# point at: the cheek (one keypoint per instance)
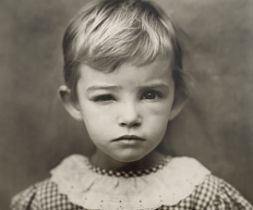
(158, 125)
(156, 119)
(160, 111)
(97, 130)
(97, 121)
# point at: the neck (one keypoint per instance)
(103, 161)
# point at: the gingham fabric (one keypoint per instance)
(212, 194)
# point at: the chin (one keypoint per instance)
(128, 158)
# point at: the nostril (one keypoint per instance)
(131, 124)
(135, 124)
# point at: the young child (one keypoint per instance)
(124, 80)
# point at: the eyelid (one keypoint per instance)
(106, 97)
(152, 89)
(158, 94)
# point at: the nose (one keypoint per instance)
(129, 116)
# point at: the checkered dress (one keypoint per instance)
(212, 194)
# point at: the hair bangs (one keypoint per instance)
(112, 41)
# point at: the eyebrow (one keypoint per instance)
(103, 87)
(116, 87)
(156, 85)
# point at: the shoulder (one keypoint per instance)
(215, 193)
(228, 196)
(210, 192)
(42, 195)
(45, 195)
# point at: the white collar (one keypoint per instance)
(167, 186)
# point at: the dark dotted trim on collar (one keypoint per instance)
(128, 174)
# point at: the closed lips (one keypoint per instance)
(129, 137)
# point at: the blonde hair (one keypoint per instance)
(108, 33)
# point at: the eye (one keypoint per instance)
(151, 95)
(104, 98)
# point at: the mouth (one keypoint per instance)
(129, 138)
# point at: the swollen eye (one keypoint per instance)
(104, 98)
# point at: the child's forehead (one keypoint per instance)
(159, 68)
(138, 62)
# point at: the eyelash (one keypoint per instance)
(104, 98)
(151, 95)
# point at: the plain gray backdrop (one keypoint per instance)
(216, 127)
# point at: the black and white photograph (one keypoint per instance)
(126, 105)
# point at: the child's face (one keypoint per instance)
(126, 111)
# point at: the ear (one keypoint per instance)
(72, 107)
(178, 105)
